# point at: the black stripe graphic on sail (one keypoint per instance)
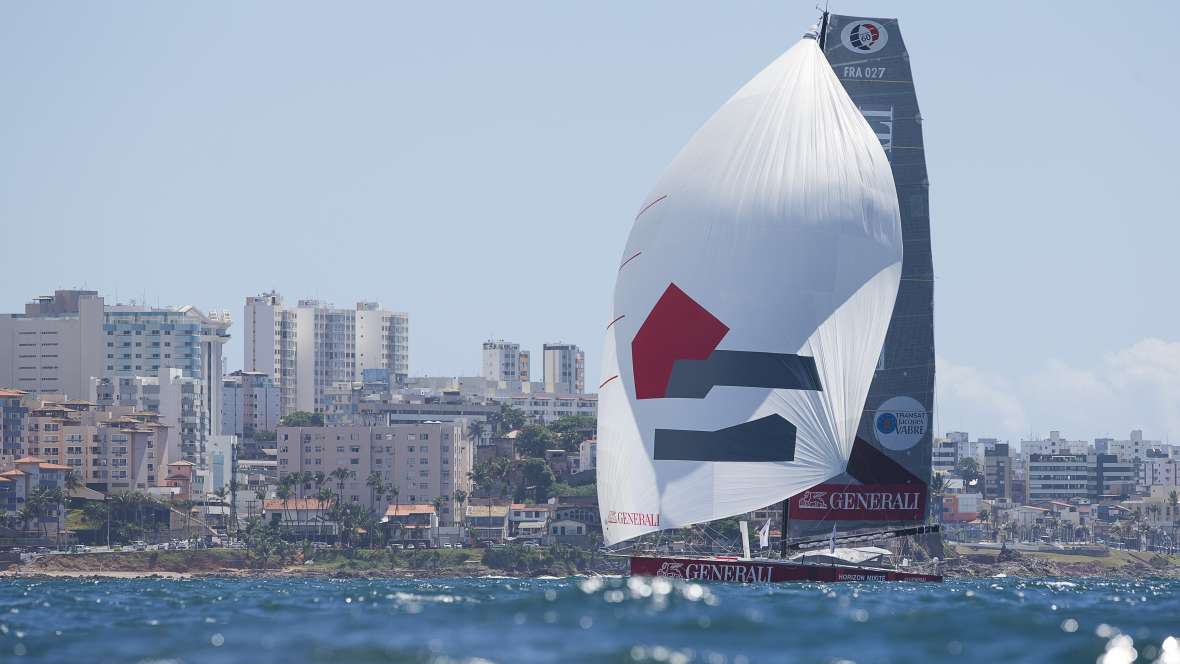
(692, 379)
(769, 438)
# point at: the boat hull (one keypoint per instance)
(764, 571)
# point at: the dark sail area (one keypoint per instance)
(888, 474)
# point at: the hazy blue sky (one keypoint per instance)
(479, 165)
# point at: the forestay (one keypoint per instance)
(750, 308)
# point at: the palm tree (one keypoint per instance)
(475, 430)
(394, 492)
(376, 488)
(341, 475)
(438, 504)
(1174, 500)
(324, 498)
(283, 493)
(460, 499)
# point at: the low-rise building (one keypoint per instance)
(303, 517)
(21, 483)
(588, 455)
(487, 523)
(412, 524)
(568, 531)
(527, 521)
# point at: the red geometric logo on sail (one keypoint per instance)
(676, 329)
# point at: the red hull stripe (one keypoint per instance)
(755, 571)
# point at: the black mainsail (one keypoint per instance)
(888, 473)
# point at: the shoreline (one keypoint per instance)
(964, 563)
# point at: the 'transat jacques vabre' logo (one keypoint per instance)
(864, 36)
(900, 423)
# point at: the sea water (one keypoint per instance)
(578, 619)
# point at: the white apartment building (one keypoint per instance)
(549, 406)
(250, 401)
(1161, 472)
(565, 368)
(65, 341)
(944, 455)
(55, 346)
(180, 401)
(222, 456)
(504, 361)
(1055, 444)
(588, 454)
(424, 461)
(312, 346)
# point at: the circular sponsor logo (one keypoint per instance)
(900, 423)
(864, 36)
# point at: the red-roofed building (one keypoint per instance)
(303, 517)
(412, 524)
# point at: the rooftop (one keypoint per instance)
(406, 510)
(275, 504)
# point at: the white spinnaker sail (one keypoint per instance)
(772, 247)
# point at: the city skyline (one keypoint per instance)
(142, 126)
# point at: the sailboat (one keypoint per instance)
(752, 354)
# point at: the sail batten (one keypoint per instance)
(750, 307)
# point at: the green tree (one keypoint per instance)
(572, 430)
(536, 475)
(533, 440)
(302, 418)
(968, 469)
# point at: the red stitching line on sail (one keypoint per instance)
(607, 381)
(629, 260)
(615, 321)
(646, 207)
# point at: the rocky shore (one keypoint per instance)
(964, 562)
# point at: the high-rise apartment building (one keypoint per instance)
(55, 346)
(249, 402)
(565, 368)
(505, 361)
(63, 342)
(181, 402)
(997, 473)
(310, 347)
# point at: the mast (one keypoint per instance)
(782, 541)
(823, 28)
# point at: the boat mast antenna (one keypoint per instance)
(823, 27)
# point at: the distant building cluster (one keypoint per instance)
(1056, 480)
(112, 398)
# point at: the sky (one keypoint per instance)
(479, 165)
